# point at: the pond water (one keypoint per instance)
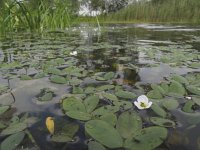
(42, 76)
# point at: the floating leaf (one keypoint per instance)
(128, 124)
(11, 142)
(77, 90)
(158, 88)
(193, 89)
(162, 122)
(105, 110)
(109, 75)
(125, 105)
(196, 100)
(54, 71)
(125, 94)
(158, 110)
(93, 145)
(176, 88)
(104, 133)
(14, 128)
(25, 77)
(180, 79)
(58, 79)
(148, 139)
(3, 109)
(89, 90)
(91, 103)
(73, 104)
(110, 96)
(188, 107)
(109, 118)
(170, 104)
(105, 87)
(155, 94)
(79, 115)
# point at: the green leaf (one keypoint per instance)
(109, 75)
(25, 77)
(162, 122)
(188, 107)
(58, 79)
(77, 90)
(73, 104)
(125, 94)
(91, 103)
(11, 142)
(79, 115)
(46, 97)
(193, 89)
(158, 88)
(180, 79)
(105, 110)
(128, 124)
(92, 145)
(104, 133)
(170, 104)
(154, 94)
(176, 88)
(109, 118)
(196, 100)
(54, 71)
(89, 90)
(3, 109)
(148, 139)
(14, 128)
(105, 87)
(125, 105)
(110, 96)
(158, 110)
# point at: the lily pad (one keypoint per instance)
(105, 110)
(180, 79)
(126, 94)
(25, 77)
(91, 103)
(79, 115)
(170, 104)
(109, 118)
(105, 87)
(188, 107)
(58, 79)
(193, 89)
(158, 110)
(93, 145)
(162, 122)
(176, 88)
(104, 133)
(14, 128)
(73, 104)
(128, 124)
(11, 142)
(148, 139)
(109, 75)
(3, 109)
(110, 96)
(154, 94)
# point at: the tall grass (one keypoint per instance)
(16, 15)
(165, 11)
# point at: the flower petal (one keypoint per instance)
(138, 105)
(143, 98)
(149, 104)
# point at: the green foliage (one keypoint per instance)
(157, 11)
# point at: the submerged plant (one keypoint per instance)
(143, 102)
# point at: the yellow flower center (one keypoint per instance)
(143, 104)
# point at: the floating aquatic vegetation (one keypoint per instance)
(143, 102)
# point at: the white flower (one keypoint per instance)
(188, 97)
(74, 53)
(143, 102)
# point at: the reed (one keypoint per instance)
(180, 11)
(15, 15)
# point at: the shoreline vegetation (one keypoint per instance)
(15, 15)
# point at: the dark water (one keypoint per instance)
(110, 49)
